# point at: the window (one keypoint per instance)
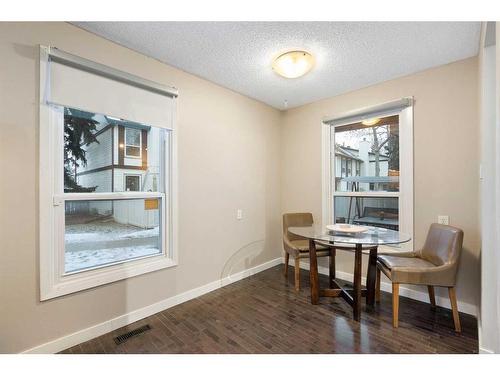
(100, 232)
(103, 218)
(133, 143)
(103, 232)
(379, 192)
(132, 183)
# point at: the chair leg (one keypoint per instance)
(287, 258)
(432, 296)
(454, 309)
(377, 286)
(297, 274)
(331, 273)
(395, 304)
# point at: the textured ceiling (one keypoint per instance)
(349, 55)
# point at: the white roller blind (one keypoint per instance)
(81, 89)
(367, 113)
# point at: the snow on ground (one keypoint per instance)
(78, 260)
(105, 231)
(102, 242)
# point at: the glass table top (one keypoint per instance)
(373, 236)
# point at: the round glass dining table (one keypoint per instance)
(356, 243)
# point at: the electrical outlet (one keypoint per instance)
(443, 219)
(239, 214)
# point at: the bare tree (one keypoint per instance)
(384, 141)
(377, 146)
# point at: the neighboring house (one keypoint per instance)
(350, 162)
(355, 171)
(124, 158)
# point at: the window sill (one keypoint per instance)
(89, 279)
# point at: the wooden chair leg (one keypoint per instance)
(331, 273)
(287, 258)
(395, 304)
(454, 309)
(377, 286)
(297, 274)
(432, 296)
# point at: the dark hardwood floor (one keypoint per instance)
(263, 314)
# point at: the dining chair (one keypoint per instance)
(298, 247)
(435, 265)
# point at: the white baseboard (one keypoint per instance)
(102, 328)
(403, 291)
(485, 351)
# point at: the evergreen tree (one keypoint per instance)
(79, 131)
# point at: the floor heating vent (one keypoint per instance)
(124, 337)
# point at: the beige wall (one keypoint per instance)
(229, 158)
(446, 156)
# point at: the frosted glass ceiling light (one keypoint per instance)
(371, 121)
(293, 64)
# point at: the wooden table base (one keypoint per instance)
(351, 296)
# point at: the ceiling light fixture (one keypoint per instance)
(293, 64)
(371, 121)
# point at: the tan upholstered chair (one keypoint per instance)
(298, 247)
(436, 264)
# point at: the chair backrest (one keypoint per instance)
(443, 245)
(301, 219)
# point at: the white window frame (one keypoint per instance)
(54, 282)
(405, 193)
(128, 145)
(125, 175)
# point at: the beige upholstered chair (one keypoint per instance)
(436, 264)
(296, 246)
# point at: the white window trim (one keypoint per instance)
(128, 145)
(125, 175)
(405, 194)
(53, 283)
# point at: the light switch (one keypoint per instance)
(443, 219)
(239, 214)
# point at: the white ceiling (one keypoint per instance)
(349, 55)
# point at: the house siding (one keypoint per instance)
(101, 179)
(98, 154)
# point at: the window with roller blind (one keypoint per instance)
(107, 174)
(368, 167)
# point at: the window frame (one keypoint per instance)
(53, 280)
(405, 194)
(129, 145)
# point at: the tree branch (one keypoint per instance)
(382, 144)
